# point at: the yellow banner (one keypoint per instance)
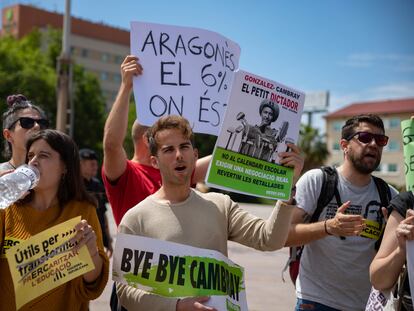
(8, 242)
(372, 229)
(46, 261)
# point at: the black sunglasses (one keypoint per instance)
(366, 138)
(28, 123)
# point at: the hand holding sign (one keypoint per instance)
(405, 229)
(194, 304)
(85, 235)
(130, 67)
(293, 159)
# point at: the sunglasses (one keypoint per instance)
(28, 123)
(366, 138)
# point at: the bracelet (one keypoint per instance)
(326, 228)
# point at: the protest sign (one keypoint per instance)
(407, 127)
(176, 270)
(187, 71)
(45, 261)
(261, 117)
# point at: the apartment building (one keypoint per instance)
(392, 113)
(99, 48)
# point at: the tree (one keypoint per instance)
(28, 67)
(313, 147)
(24, 69)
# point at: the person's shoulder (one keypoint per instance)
(216, 198)
(147, 204)
(312, 174)
(402, 202)
(211, 195)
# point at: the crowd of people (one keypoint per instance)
(340, 265)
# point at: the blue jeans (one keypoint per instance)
(304, 304)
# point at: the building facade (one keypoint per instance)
(392, 113)
(99, 48)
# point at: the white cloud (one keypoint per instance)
(381, 92)
(397, 62)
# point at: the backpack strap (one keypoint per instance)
(328, 191)
(384, 192)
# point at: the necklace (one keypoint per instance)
(12, 165)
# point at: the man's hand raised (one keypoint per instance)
(130, 67)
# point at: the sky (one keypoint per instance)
(358, 50)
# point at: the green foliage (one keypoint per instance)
(28, 66)
(24, 69)
(313, 147)
(205, 144)
(89, 110)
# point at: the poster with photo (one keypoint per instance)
(187, 71)
(261, 118)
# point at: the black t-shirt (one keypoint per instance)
(96, 188)
(402, 202)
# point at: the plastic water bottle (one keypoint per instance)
(15, 184)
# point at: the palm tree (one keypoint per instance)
(313, 146)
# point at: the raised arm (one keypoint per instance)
(387, 264)
(201, 169)
(117, 122)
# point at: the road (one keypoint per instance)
(265, 288)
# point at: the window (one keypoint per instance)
(336, 146)
(394, 123)
(117, 77)
(105, 57)
(337, 126)
(393, 145)
(392, 167)
(118, 59)
(85, 53)
(104, 76)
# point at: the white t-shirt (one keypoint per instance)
(335, 271)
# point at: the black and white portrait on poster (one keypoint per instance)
(261, 118)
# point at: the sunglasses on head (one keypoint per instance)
(28, 123)
(366, 138)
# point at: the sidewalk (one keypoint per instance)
(265, 288)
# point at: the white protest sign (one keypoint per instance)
(187, 71)
(176, 270)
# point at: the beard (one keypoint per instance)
(362, 166)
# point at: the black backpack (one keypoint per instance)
(328, 191)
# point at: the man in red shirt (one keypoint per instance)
(128, 182)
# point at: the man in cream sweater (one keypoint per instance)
(180, 214)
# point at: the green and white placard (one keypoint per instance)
(261, 118)
(176, 270)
